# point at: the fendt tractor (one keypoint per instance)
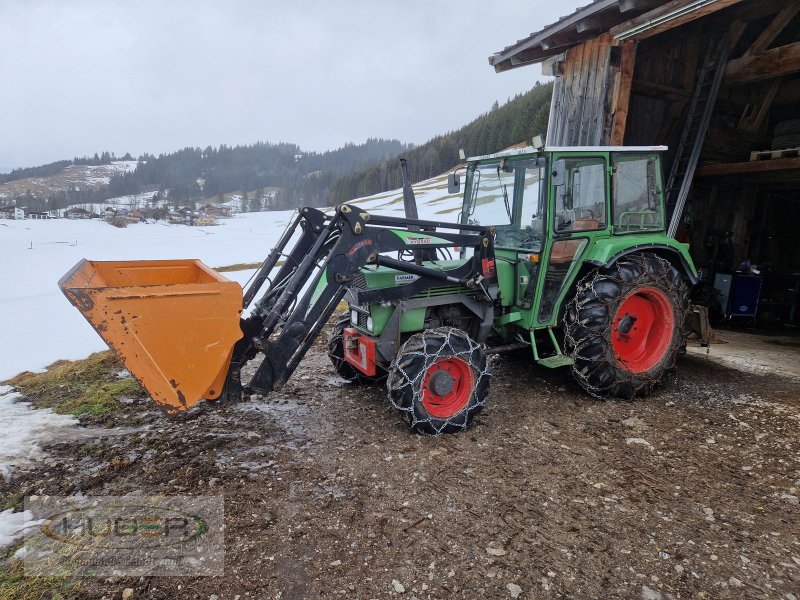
(561, 251)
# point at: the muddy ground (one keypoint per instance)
(690, 493)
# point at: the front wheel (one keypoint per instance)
(625, 326)
(439, 380)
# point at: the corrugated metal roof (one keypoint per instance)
(583, 24)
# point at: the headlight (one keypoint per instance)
(369, 324)
(354, 317)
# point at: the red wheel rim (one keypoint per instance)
(447, 387)
(642, 329)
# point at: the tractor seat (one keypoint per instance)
(582, 224)
(564, 251)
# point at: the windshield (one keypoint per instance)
(507, 194)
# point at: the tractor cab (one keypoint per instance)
(553, 209)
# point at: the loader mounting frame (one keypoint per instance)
(326, 260)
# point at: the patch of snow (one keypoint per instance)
(13, 526)
(24, 430)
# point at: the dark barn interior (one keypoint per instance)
(718, 81)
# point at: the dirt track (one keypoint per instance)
(691, 493)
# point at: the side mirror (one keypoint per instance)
(559, 173)
(453, 183)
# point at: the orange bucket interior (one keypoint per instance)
(173, 322)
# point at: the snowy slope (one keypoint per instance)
(38, 325)
(73, 176)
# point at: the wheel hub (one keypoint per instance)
(442, 383)
(447, 387)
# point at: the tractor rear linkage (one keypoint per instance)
(332, 250)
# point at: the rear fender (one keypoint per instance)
(679, 260)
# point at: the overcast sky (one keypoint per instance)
(83, 76)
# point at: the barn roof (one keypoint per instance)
(600, 16)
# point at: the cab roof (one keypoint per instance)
(532, 150)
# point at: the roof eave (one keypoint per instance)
(544, 43)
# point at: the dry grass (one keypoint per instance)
(90, 386)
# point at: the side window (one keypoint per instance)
(636, 203)
(580, 194)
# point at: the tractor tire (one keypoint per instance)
(343, 368)
(787, 141)
(626, 325)
(439, 381)
(787, 127)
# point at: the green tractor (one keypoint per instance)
(561, 251)
(585, 278)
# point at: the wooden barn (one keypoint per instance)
(718, 81)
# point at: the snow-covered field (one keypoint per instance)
(39, 326)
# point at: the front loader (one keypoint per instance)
(561, 251)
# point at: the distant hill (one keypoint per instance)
(296, 177)
(518, 120)
(192, 174)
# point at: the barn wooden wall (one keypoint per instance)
(663, 82)
(580, 114)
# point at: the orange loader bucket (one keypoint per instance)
(173, 322)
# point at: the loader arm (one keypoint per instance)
(316, 273)
(177, 325)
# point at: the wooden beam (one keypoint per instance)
(772, 30)
(768, 64)
(554, 65)
(760, 166)
(668, 16)
(629, 5)
(622, 93)
(593, 23)
(657, 90)
(754, 119)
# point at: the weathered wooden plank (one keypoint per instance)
(763, 166)
(668, 16)
(622, 93)
(657, 90)
(768, 64)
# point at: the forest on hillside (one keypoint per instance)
(523, 117)
(302, 178)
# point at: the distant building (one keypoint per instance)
(202, 220)
(77, 213)
(177, 218)
(12, 212)
(33, 214)
(217, 210)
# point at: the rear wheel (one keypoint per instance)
(625, 326)
(439, 380)
(336, 354)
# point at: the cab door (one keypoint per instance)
(579, 210)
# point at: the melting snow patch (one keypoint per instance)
(24, 429)
(13, 525)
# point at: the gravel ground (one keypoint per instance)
(692, 493)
